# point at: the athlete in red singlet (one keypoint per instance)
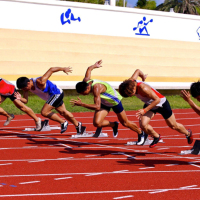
(7, 90)
(154, 102)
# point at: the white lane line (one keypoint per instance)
(162, 148)
(34, 161)
(123, 197)
(190, 186)
(95, 147)
(147, 168)
(62, 178)
(195, 165)
(96, 192)
(22, 183)
(61, 144)
(6, 164)
(158, 191)
(166, 190)
(27, 147)
(106, 173)
(98, 158)
(92, 155)
(121, 171)
(171, 165)
(67, 158)
(93, 174)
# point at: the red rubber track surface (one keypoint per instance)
(50, 165)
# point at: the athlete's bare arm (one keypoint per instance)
(41, 82)
(23, 99)
(139, 73)
(187, 97)
(89, 70)
(97, 90)
(146, 91)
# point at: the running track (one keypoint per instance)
(50, 165)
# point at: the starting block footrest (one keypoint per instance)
(86, 135)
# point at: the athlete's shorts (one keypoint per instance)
(56, 100)
(117, 109)
(11, 97)
(165, 111)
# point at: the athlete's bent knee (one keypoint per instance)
(44, 114)
(96, 124)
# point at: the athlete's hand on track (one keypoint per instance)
(74, 102)
(140, 113)
(185, 95)
(17, 95)
(67, 70)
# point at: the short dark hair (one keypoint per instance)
(195, 89)
(126, 88)
(81, 86)
(22, 82)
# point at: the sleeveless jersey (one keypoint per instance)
(109, 98)
(50, 90)
(6, 88)
(147, 100)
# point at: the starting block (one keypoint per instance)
(194, 150)
(147, 142)
(84, 134)
(45, 127)
(87, 135)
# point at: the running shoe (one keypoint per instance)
(98, 132)
(38, 124)
(115, 129)
(64, 127)
(80, 129)
(9, 120)
(142, 138)
(190, 137)
(155, 141)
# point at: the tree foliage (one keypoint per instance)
(146, 4)
(180, 6)
(141, 3)
(121, 3)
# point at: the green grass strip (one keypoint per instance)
(132, 103)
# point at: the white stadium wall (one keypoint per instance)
(36, 35)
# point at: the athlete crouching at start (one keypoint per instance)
(105, 99)
(52, 94)
(154, 102)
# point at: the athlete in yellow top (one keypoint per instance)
(105, 98)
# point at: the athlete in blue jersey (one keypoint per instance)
(52, 94)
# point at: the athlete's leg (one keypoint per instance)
(171, 122)
(99, 119)
(47, 112)
(25, 109)
(144, 124)
(2, 111)
(66, 114)
(125, 122)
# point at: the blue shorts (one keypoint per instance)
(165, 111)
(117, 109)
